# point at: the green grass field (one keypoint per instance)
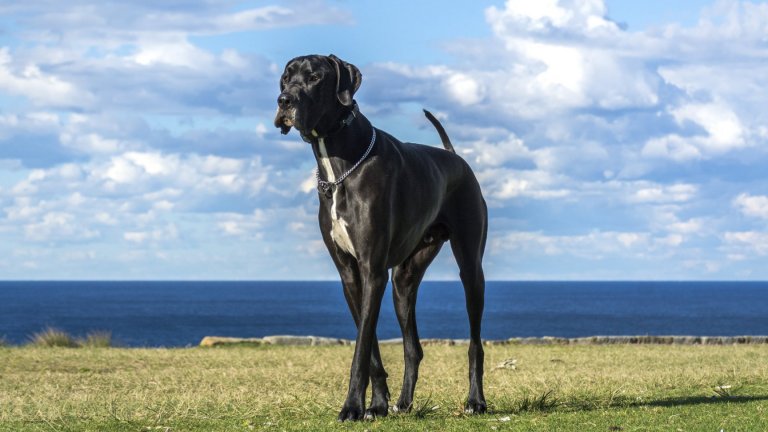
(580, 388)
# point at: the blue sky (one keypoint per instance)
(612, 139)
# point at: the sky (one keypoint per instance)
(613, 139)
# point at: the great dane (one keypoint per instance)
(385, 204)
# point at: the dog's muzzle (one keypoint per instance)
(285, 118)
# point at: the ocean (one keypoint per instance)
(176, 314)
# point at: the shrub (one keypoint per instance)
(96, 339)
(52, 337)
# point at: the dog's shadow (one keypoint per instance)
(700, 400)
(554, 405)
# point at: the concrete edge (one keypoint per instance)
(290, 340)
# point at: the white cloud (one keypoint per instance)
(464, 89)
(90, 143)
(550, 58)
(39, 87)
(724, 130)
(673, 147)
(664, 219)
(753, 241)
(174, 50)
(55, 226)
(240, 225)
(504, 184)
(723, 133)
(579, 16)
(162, 234)
(535, 15)
(152, 163)
(500, 153)
(139, 133)
(567, 54)
(310, 183)
(546, 57)
(87, 19)
(30, 121)
(137, 197)
(658, 193)
(670, 241)
(203, 174)
(596, 245)
(121, 170)
(21, 210)
(106, 219)
(691, 226)
(261, 130)
(91, 56)
(752, 205)
(730, 20)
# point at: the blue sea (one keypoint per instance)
(172, 314)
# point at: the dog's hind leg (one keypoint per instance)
(468, 243)
(406, 278)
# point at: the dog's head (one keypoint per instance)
(315, 91)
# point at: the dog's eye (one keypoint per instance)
(314, 77)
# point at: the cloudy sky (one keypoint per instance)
(612, 139)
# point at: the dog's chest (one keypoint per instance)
(338, 230)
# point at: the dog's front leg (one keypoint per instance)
(380, 395)
(374, 284)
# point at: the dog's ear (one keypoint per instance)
(348, 79)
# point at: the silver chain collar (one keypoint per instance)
(326, 187)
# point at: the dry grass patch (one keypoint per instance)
(52, 337)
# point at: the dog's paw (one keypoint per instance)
(351, 412)
(402, 407)
(376, 411)
(475, 407)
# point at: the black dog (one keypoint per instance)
(385, 204)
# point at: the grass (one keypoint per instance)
(533, 403)
(425, 407)
(96, 339)
(601, 388)
(52, 337)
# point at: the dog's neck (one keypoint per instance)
(335, 124)
(338, 152)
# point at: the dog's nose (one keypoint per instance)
(284, 100)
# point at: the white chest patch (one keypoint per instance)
(339, 232)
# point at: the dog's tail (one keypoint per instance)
(443, 136)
